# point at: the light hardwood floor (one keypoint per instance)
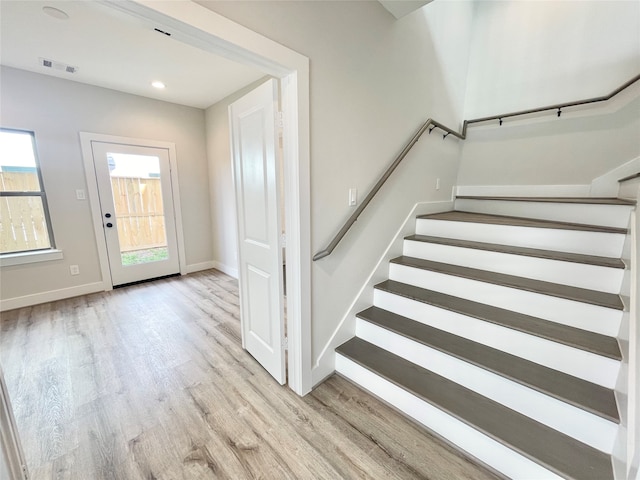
(150, 382)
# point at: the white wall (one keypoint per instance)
(225, 236)
(374, 80)
(57, 110)
(530, 54)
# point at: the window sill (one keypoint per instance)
(9, 259)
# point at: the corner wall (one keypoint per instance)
(373, 81)
(57, 110)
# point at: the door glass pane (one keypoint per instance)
(139, 213)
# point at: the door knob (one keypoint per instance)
(109, 225)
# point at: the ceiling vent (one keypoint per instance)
(62, 67)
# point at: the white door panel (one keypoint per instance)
(255, 166)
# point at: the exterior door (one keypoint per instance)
(255, 168)
(136, 202)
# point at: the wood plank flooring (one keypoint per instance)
(150, 382)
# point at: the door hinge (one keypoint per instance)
(279, 120)
(285, 343)
(283, 240)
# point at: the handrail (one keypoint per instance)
(448, 131)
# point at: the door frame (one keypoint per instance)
(201, 27)
(86, 138)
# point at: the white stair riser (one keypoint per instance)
(572, 241)
(572, 361)
(484, 448)
(577, 314)
(592, 277)
(568, 419)
(586, 214)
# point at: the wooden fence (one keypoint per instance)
(138, 210)
(139, 213)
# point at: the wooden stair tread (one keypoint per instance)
(455, 216)
(593, 297)
(578, 200)
(629, 177)
(571, 336)
(580, 393)
(528, 252)
(556, 451)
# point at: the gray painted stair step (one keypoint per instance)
(574, 337)
(584, 200)
(580, 393)
(592, 297)
(527, 252)
(518, 222)
(556, 451)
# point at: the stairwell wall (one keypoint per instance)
(374, 81)
(530, 54)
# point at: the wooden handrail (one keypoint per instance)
(462, 135)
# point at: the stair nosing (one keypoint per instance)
(437, 300)
(605, 262)
(576, 294)
(369, 314)
(505, 220)
(479, 402)
(614, 201)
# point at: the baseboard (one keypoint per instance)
(607, 185)
(523, 190)
(324, 365)
(198, 267)
(231, 271)
(51, 296)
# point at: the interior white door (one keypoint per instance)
(136, 201)
(255, 168)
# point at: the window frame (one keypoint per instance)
(23, 254)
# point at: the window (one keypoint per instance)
(24, 216)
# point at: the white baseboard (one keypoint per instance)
(51, 296)
(198, 267)
(325, 363)
(231, 271)
(523, 190)
(607, 185)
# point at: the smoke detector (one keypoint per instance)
(61, 67)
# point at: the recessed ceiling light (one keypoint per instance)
(158, 85)
(55, 13)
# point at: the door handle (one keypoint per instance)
(109, 225)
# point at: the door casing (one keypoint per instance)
(94, 199)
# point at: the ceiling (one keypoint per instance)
(115, 50)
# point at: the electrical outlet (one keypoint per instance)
(80, 195)
(74, 269)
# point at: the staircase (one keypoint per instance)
(497, 331)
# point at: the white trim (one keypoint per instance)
(231, 271)
(22, 258)
(13, 459)
(201, 27)
(94, 199)
(607, 185)
(198, 267)
(325, 364)
(50, 296)
(523, 190)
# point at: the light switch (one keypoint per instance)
(353, 197)
(80, 195)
